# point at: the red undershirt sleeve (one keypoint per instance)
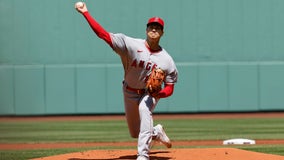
(167, 91)
(98, 29)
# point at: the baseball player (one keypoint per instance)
(139, 57)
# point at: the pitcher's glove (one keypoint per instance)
(155, 81)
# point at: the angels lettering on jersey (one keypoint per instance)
(149, 66)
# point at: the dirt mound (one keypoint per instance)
(170, 154)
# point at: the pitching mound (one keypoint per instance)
(178, 154)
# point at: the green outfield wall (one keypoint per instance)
(229, 53)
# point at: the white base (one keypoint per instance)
(238, 141)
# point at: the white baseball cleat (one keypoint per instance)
(162, 136)
(142, 158)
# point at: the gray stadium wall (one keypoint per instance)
(229, 53)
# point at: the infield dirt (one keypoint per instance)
(170, 154)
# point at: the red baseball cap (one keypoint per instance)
(156, 20)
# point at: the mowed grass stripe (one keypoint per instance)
(116, 130)
(209, 129)
(85, 131)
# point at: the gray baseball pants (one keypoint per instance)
(138, 112)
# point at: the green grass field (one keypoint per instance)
(116, 131)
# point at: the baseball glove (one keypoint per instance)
(155, 81)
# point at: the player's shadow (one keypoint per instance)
(129, 157)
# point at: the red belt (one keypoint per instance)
(138, 91)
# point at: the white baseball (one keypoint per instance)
(79, 5)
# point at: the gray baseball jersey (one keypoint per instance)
(138, 60)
